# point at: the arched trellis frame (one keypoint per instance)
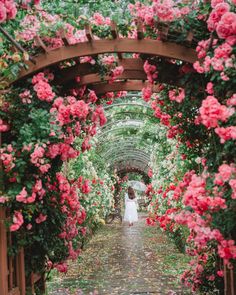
(133, 78)
(122, 171)
(129, 81)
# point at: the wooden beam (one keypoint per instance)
(64, 38)
(145, 46)
(115, 35)
(3, 254)
(68, 74)
(164, 30)
(39, 42)
(133, 70)
(189, 38)
(135, 64)
(122, 86)
(126, 75)
(114, 31)
(88, 32)
(140, 29)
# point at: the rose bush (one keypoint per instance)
(193, 190)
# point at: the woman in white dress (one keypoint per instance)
(131, 205)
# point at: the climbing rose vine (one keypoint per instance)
(43, 129)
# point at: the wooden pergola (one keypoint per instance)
(12, 278)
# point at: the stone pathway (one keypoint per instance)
(125, 260)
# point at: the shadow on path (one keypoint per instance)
(125, 260)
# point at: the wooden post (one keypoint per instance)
(39, 42)
(3, 254)
(88, 32)
(115, 35)
(3, 239)
(140, 29)
(229, 280)
(21, 272)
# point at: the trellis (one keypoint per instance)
(132, 79)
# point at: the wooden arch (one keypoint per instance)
(125, 45)
(133, 77)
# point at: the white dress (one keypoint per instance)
(131, 213)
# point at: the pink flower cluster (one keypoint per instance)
(64, 150)
(227, 174)
(211, 112)
(61, 267)
(7, 10)
(17, 221)
(146, 93)
(164, 10)
(177, 95)
(115, 73)
(37, 190)
(92, 97)
(7, 157)
(31, 25)
(194, 192)
(222, 20)
(99, 116)
(23, 197)
(226, 133)
(197, 197)
(41, 218)
(222, 60)
(164, 117)
(174, 131)
(75, 214)
(151, 71)
(38, 159)
(4, 127)
(100, 20)
(42, 88)
(85, 188)
(68, 109)
(26, 97)
(74, 36)
(109, 60)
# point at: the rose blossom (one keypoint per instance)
(146, 93)
(227, 25)
(3, 13)
(212, 111)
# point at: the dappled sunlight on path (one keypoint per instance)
(125, 260)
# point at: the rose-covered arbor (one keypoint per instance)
(202, 124)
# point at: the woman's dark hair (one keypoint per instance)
(131, 193)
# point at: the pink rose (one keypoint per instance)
(17, 221)
(225, 172)
(215, 2)
(232, 183)
(41, 218)
(212, 111)
(146, 93)
(22, 196)
(209, 88)
(3, 200)
(220, 273)
(3, 13)
(227, 25)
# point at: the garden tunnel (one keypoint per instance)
(141, 63)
